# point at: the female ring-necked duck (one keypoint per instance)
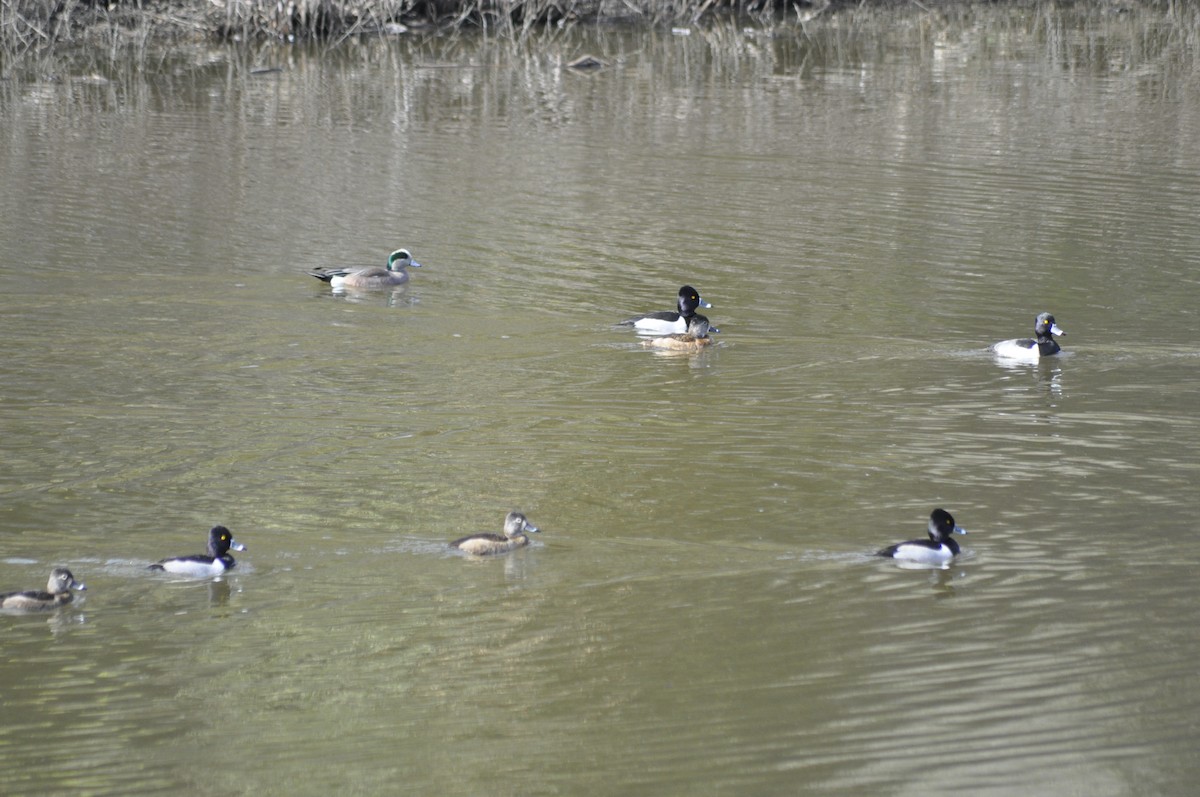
(666, 322)
(939, 549)
(58, 593)
(372, 276)
(695, 339)
(1033, 349)
(218, 560)
(515, 529)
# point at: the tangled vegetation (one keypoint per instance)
(47, 25)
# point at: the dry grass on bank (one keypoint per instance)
(46, 24)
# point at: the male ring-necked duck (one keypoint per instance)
(218, 560)
(939, 549)
(372, 276)
(666, 322)
(695, 339)
(515, 529)
(1033, 349)
(58, 593)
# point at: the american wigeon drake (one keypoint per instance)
(695, 339)
(216, 562)
(667, 322)
(58, 593)
(939, 549)
(372, 277)
(1042, 344)
(516, 526)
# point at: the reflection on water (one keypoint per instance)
(868, 205)
(392, 297)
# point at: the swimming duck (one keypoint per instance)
(372, 276)
(695, 339)
(937, 550)
(58, 593)
(515, 529)
(666, 322)
(218, 560)
(1044, 330)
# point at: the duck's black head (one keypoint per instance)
(942, 525)
(690, 301)
(220, 540)
(1045, 327)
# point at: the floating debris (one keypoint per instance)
(587, 62)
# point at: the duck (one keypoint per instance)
(939, 549)
(371, 277)
(58, 593)
(667, 322)
(218, 560)
(694, 339)
(516, 527)
(1031, 349)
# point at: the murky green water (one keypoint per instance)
(867, 205)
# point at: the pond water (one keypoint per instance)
(868, 202)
